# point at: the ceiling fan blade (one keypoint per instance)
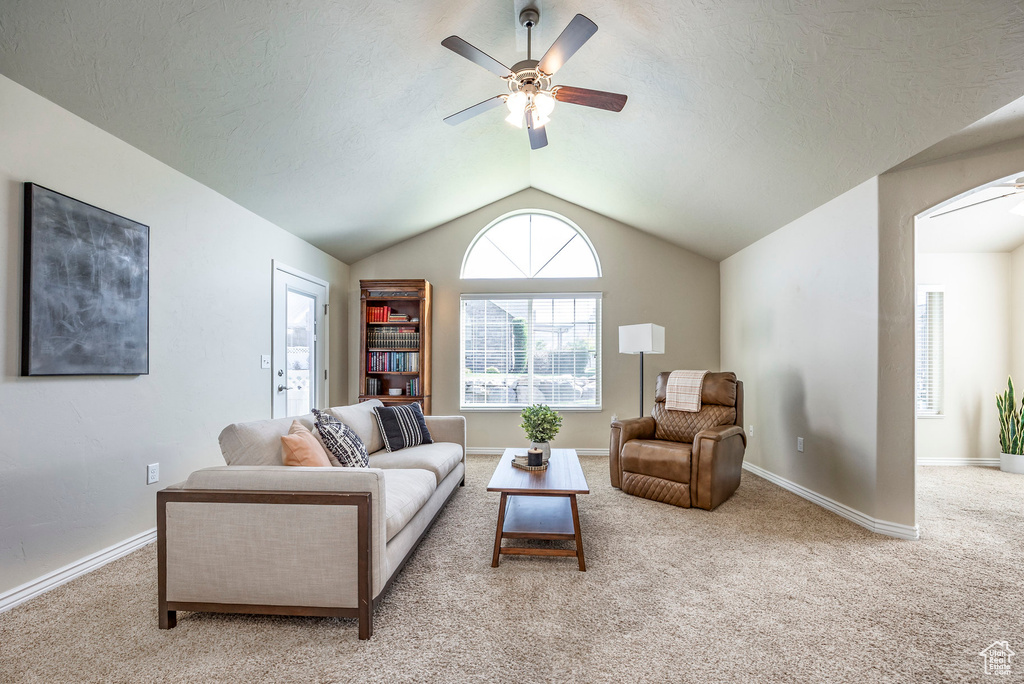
(565, 46)
(470, 112)
(538, 136)
(613, 102)
(973, 204)
(476, 55)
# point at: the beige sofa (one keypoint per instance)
(256, 536)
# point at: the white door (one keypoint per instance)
(299, 367)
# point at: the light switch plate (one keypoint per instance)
(800, 444)
(265, 361)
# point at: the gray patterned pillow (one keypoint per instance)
(342, 441)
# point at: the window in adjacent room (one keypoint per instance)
(523, 349)
(531, 244)
(928, 343)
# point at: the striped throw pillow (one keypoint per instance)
(402, 426)
(342, 441)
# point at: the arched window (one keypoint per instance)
(531, 244)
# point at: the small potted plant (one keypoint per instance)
(541, 425)
(1011, 431)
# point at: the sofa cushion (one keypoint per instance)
(439, 458)
(657, 458)
(361, 419)
(257, 443)
(405, 492)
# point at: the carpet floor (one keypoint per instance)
(767, 588)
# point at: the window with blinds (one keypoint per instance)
(525, 349)
(928, 314)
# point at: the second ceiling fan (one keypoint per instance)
(531, 97)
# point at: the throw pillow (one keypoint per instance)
(341, 441)
(299, 425)
(402, 426)
(300, 448)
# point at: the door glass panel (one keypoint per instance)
(301, 341)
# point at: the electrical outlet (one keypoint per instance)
(750, 430)
(615, 417)
(265, 361)
(152, 473)
(800, 444)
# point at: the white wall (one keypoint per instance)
(976, 353)
(645, 280)
(902, 195)
(73, 450)
(800, 328)
(1017, 319)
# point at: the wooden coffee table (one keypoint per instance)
(539, 504)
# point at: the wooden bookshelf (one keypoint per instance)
(394, 349)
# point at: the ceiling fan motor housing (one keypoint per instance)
(528, 78)
(529, 17)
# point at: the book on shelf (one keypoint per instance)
(378, 314)
(373, 386)
(393, 362)
(393, 337)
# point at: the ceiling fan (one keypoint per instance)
(1012, 188)
(531, 96)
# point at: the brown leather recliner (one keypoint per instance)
(685, 459)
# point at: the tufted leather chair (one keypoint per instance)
(685, 459)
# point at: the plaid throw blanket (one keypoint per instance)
(683, 390)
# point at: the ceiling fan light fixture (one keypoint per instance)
(516, 103)
(544, 104)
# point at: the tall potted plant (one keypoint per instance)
(1011, 431)
(541, 424)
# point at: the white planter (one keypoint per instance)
(1011, 463)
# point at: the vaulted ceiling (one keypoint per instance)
(325, 117)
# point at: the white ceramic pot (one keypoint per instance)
(543, 446)
(1011, 463)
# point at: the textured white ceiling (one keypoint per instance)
(325, 117)
(1006, 123)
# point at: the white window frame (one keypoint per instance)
(935, 353)
(520, 212)
(598, 373)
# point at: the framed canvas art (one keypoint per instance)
(85, 296)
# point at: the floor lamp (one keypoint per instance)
(643, 338)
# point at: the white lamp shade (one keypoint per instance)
(643, 337)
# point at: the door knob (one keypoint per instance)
(282, 388)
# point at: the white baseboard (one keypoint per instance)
(40, 585)
(934, 461)
(885, 527)
(498, 451)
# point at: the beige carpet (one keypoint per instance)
(768, 588)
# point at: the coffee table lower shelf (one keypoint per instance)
(538, 516)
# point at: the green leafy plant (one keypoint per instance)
(1011, 421)
(540, 423)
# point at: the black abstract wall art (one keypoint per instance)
(85, 300)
